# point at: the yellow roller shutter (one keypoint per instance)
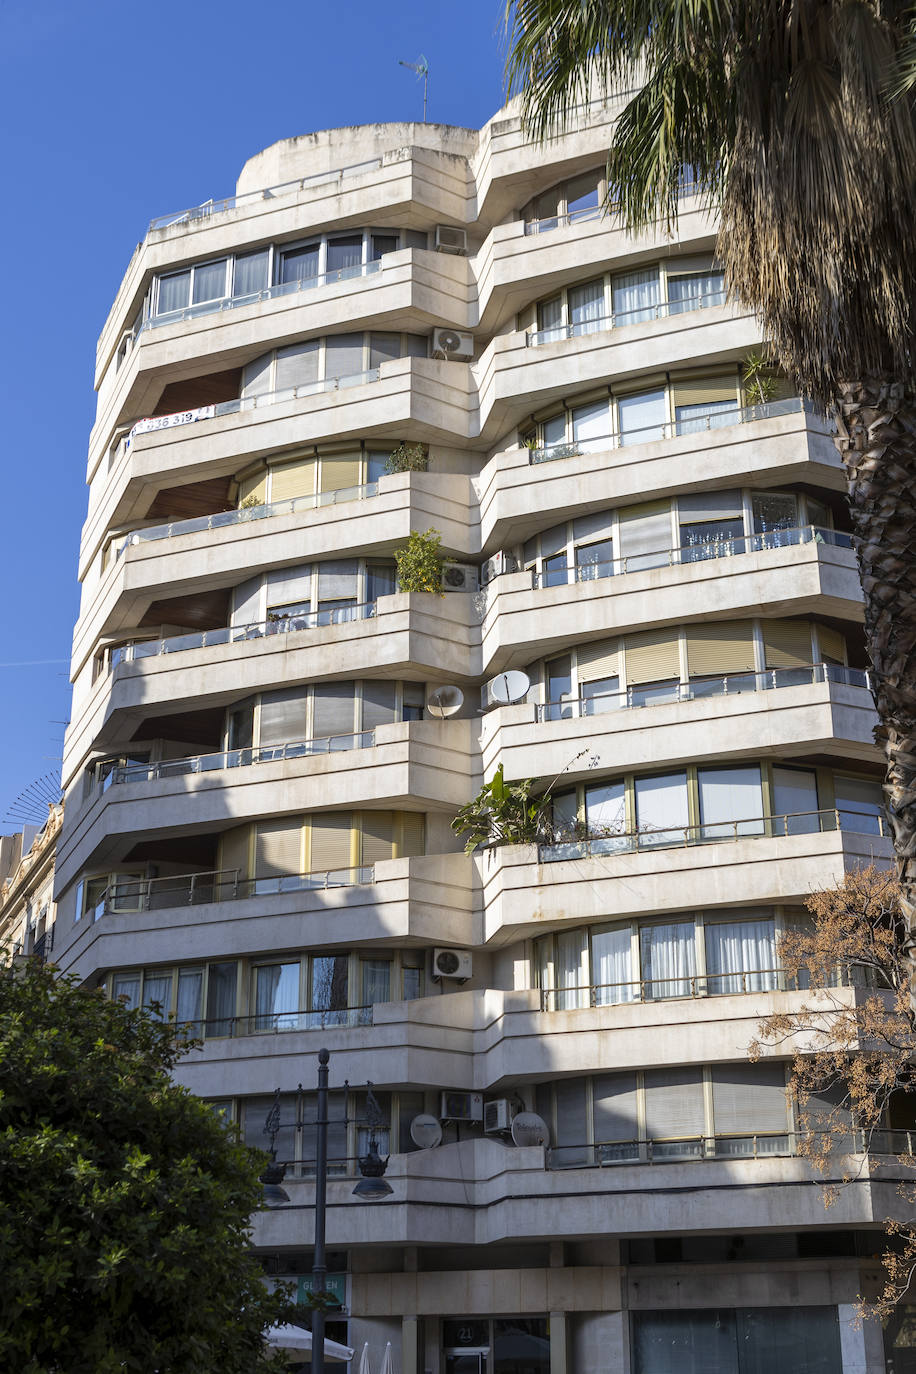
(720, 647)
(652, 656)
(330, 842)
(597, 660)
(377, 830)
(278, 848)
(787, 643)
(255, 485)
(233, 850)
(705, 390)
(340, 470)
(831, 643)
(288, 480)
(413, 834)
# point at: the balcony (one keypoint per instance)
(759, 1146)
(535, 338)
(235, 758)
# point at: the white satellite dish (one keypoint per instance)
(508, 687)
(445, 701)
(426, 1131)
(529, 1129)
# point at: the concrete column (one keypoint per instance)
(410, 1345)
(559, 1343)
(861, 1343)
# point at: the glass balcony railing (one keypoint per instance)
(588, 214)
(608, 841)
(274, 1022)
(727, 547)
(236, 634)
(760, 1145)
(236, 758)
(125, 896)
(619, 319)
(702, 424)
(221, 519)
(733, 684)
(584, 996)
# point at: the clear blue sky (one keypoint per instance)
(111, 114)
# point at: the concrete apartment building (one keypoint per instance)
(260, 780)
(27, 909)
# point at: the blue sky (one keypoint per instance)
(113, 113)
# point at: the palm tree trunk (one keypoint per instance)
(876, 439)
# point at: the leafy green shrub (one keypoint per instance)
(408, 458)
(760, 385)
(419, 563)
(504, 813)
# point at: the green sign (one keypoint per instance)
(335, 1284)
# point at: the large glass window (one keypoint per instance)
(209, 282)
(586, 308)
(731, 802)
(550, 320)
(276, 996)
(612, 966)
(861, 805)
(795, 801)
(582, 197)
(642, 418)
(298, 264)
(750, 1340)
(250, 275)
(693, 290)
(699, 416)
(174, 292)
(635, 296)
(345, 255)
(741, 955)
(667, 953)
(661, 810)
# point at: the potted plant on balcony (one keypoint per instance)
(419, 565)
(408, 458)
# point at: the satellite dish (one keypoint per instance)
(529, 1129)
(426, 1132)
(449, 341)
(445, 701)
(508, 687)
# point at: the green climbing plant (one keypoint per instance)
(419, 564)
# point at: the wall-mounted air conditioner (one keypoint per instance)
(497, 1116)
(501, 562)
(456, 1106)
(450, 239)
(459, 577)
(452, 344)
(452, 963)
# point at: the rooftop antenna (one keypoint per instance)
(421, 67)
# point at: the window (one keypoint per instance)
(795, 807)
(661, 810)
(345, 256)
(578, 199)
(693, 290)
(731, 802)
(325, 848)
(201, 997)
(338, 358)
(197, 285)
(741, 955)
(109, 893)
(621, 299)
(251, 273)
(635, 296)
(642, 418)
(860, 804)
(749, 1340)
(298, 264)
(587, 309)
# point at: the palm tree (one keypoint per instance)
(798, 118)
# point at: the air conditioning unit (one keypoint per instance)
(449, 239)
(452, 963)
(500, 563)
(461, 1106)
(459, 577)
(497, 1116)
(452, 344)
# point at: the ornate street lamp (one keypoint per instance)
(275, 1195)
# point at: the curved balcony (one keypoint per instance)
(820, 709)
(761, 861)
(217, 915)
(797, 570)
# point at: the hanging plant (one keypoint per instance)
(419, 563)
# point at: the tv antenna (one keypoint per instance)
(421, 67)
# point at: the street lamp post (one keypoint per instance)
(319, 1264)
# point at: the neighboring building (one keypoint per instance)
(259, 790)
(27, 908)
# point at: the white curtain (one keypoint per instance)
(190, 987)
(741, 956)
(694, 291)
(668, 959)
(572, 970)
(376, 981)
(612, 966)
(174, 292)
(158, 988)
(250, 273)
(586, 308)
(277, 996)
(127, 987)
(550, 320)
(635, 296)
(209, 281)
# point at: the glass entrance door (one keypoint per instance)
(466, 1362)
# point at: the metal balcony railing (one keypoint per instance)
(590, 213)
(274, 1022)
(733, 684)
(728, 547)
(125, 896)
(759, 1145)
(620, 318)
(609, 841)
(584, 996)
(235, 634)
(221, 519)
(697, 424)
(236, 758)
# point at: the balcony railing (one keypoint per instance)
(269, 293)
(590, 213)
(697, 424)
(235, 634)
(129, 895)
(691, 553)
(734, 684)
(268, 398)
(760, 1145)
(221, 519)
(714, 832)
(246, 198)
(236, 758)
(583, 996)
(620, 318)
(273, 1022)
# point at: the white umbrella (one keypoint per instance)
(387, 1366)
(297, 1338)
(364, 1360)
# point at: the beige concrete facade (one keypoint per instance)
(259, 792)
